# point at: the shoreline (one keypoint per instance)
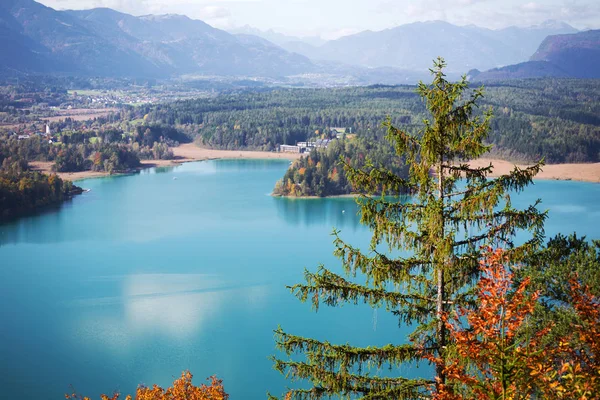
(335, 196)
(184, 153)
(189, 152)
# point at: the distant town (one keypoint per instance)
(304, 147)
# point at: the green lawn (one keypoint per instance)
(87, 92)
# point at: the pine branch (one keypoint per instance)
(333, 290)
(379, 269)
(530, 219)
(329, 382)
(374, 180)
(410, 390)
(346, 357)
(464, 170)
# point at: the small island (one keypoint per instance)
(321, 172)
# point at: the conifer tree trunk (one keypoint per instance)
(441, 330)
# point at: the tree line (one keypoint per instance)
(554, 119)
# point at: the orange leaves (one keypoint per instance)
(489, 358)
(182, 389)
(97, 158)
(333, 175)
(578, 375)
(494, 354)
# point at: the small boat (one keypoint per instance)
(174, 178)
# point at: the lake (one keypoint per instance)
(185, 268)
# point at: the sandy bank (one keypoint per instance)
(46, 167)
(575, 172)
(190, 152)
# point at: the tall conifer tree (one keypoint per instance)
(454, 210)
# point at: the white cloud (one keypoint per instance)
(532, 6)
(214, 12)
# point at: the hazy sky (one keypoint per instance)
(334, 18)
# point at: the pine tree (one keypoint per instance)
(453, 211)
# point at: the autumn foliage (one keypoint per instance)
(182, 389)
(495, 354)
(578, 375)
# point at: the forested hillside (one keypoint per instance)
(263, 120)
(555, 118)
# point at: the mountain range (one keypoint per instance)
(103, 42)
(413, 46)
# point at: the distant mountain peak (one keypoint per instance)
(280, 39)
(555, 24)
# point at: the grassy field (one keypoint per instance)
(88, 92)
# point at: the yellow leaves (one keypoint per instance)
(182, 389)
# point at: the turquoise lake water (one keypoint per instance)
(146, 275)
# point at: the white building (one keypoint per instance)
(286, 148)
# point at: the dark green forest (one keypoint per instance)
(555, 119)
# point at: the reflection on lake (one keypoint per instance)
(340, 212)
(173, 306)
